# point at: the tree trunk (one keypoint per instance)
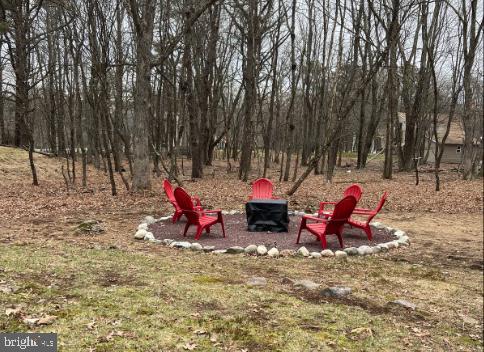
(143, 23)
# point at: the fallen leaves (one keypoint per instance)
(44, 320)
(7, 288)
(190, 346)
(13, 311)
(117, 333)
(17, 311)
(361, 333)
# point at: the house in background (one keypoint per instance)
(454, 144)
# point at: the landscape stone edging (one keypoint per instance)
(402, 240)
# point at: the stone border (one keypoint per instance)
(401, 240)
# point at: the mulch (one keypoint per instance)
(237, 235)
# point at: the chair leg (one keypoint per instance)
(223, 227)
(323, 240)
(299, 234)
(208, 229)
(340, 239)
(368, 232)
(176, 216)
(302, 226)
(186, 229)
(199, 232)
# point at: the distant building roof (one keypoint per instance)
(456, 131)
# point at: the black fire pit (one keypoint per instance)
(267, 215)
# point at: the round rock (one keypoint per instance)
(183, 244)
(364, 250)
(336, 291)
(140, 234)
(196, 247)
(149, 236)
(149, 220)
(383, 247)
(261, 250)
(235, 250)
(376, 249)
(315, 255)
(143, 226)
(327, 253)
(403, 303)
(303, 252)
(167, 241)
(351, 251)
(251, 249)
(273, 252)
(341, 255)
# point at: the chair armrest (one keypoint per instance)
(324, 203)
(196, 211)
(212, 211)
(310, 217)
(363, 211)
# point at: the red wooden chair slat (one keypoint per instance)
(320, 227)
(262, 189)
(197, 216)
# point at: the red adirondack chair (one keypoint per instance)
(331, 225)
(370, 214)
(171, 197)
(353, 190)
(262, 189)
(196, 216)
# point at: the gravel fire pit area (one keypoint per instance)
(239, 240)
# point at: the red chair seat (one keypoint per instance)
(205, 220)
(316, 227)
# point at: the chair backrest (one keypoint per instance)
(353, 190)
(262, 189)
(342, 210)
(378, 208)
(185, 203)
(169, 190)
(381, 202)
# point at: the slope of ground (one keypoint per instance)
(108, 292)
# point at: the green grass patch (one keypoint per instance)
(116, 300)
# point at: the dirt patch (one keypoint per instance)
(112, 278)
(237, 235)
